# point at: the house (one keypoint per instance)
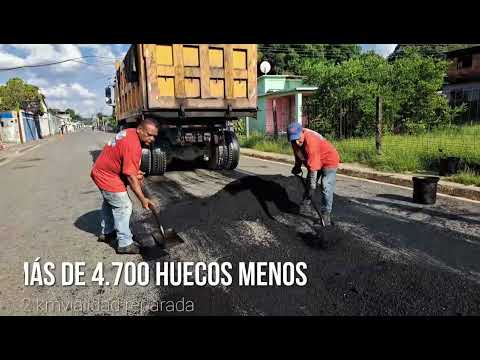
(18, 126)
(44, 119)
(65, 119)
(463, 80)
(280, 98)
(32, 123)
(9, 129)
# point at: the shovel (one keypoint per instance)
(162, 237)
(169, 236)
(322, 231)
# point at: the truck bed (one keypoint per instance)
(187, 81)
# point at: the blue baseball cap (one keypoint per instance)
(294, 131)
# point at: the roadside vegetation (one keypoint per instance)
(400, 153)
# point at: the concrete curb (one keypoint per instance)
(444, 187)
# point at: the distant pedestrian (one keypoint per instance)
(321, 159)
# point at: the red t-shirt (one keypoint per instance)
(316, 153)
(118, 158)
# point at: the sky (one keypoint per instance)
(79, 85)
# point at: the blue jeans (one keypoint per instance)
(116, 212)
(328, 181)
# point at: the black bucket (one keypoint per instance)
(425, 189)
(448, 166)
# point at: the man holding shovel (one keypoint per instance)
(118, 166)
(321, 160)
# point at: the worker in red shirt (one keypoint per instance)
(118, 166)
(321, 160)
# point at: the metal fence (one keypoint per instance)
(469, 97)
(421, 150)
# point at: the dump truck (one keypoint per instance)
(195, 92)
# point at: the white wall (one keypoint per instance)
(9, 131)
(44, 128)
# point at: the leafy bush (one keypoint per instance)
(409, 86)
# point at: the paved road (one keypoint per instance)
(393, 258)
(49, 208)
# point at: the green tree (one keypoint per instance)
(240, 126)
(428, 50)
(112, 122)
(286, 58)
(73, 115)
(15, 92)
(409, 87)
(71, 112)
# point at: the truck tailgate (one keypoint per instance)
(201, 76)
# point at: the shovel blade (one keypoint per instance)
(172, 236)
(169, 238)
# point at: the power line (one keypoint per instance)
(307, 51)
(302, 47)
(57, 62)
(95, 64)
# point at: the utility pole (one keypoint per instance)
(275, 124)
(378, 127)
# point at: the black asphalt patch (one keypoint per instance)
(384, 265)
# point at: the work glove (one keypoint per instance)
(296, 170)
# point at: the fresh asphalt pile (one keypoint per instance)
(242, 217)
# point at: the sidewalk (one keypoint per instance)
(356, 170)
(15, 150)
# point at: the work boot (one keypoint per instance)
(133, 248)
(107, 238)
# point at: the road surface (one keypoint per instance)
(393, 257)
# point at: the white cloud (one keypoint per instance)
(10, 60)
(37, 81)
(57, 104)
(106, 57)
(43, 54)
(86, 108)
(100, 50)
(381, 49)
(69, 85)
(63, 91)
(88, 102)
(82, 91)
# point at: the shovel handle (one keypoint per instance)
(154, 212)
(300, 176)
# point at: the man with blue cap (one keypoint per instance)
(321, 159)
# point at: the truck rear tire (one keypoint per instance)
(146, 163)
(233, 150)
(159, 161)
(218, 157)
